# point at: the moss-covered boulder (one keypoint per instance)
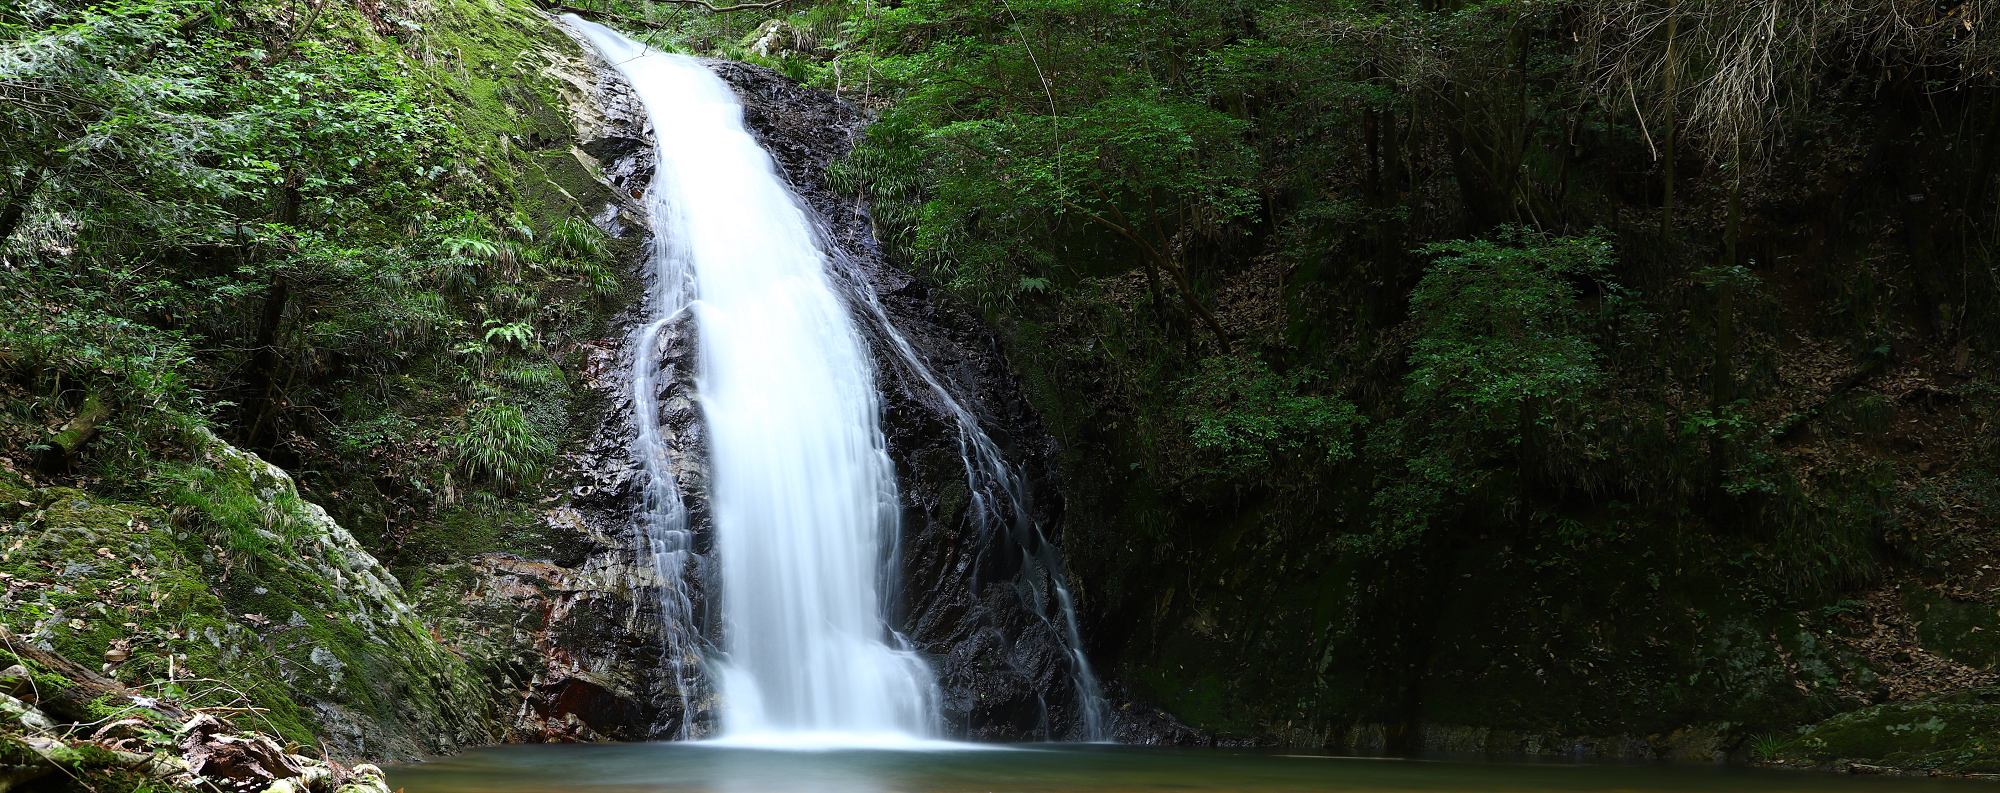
(1958, 733)
(243, 597)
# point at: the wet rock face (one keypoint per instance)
(969, 600)
(609, 653)
(580, 637)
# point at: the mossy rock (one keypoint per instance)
(1959, 733)
(306, 625)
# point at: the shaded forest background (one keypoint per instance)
(1588, 367)
(1585, 368)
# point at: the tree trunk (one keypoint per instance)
(1975, 199)
(1172, 267)
(73, 703)
(261, 373)
(1371, 173)
(64, 446)
(17, 204)
(1930, 270)
(1725, 296)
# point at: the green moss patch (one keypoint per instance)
(1959, 733)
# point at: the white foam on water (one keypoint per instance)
(845, 741)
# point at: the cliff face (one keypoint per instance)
(582, 627)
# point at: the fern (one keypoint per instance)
(577, 239)
(519, 334)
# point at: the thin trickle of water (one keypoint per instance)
(1001, 502)
(663, 517)
(802, 492)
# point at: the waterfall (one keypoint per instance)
(802, 492)
(1001, 502)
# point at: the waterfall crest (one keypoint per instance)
(803, 495)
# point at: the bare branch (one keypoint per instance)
(606, 16)
(603, 16)
(1742, 67)
(1172, 267)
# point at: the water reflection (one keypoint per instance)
(699, 768)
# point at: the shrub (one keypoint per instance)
(500, 446)
(1245, 417)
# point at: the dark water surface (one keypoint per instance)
(688, 768)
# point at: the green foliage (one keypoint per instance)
(280, 227)
(1746, 439)
(518, 334)
(1503, 350)
(500, 445)
(578, 240)
(172, 191)
(1247, 418)
(1499, 324)
(1765, 747)
(275, 223)
(999, 147)
(533, 378)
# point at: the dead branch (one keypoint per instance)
(64, 446)
(604, 16)
(73, 703)
(1173, 269)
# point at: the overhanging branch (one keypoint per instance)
(737, 7)
(603, 16)
(1172, 267)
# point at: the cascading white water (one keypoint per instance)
(1000, 503)
(802, 492)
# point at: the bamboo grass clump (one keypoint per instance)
(1725, 73)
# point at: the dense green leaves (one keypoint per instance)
(275, 222)
(1022, 122)
(1247, 418)
(1500, 324)
(1503, 348)
(499, 445)
(168, 171)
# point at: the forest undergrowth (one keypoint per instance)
(350, 239)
